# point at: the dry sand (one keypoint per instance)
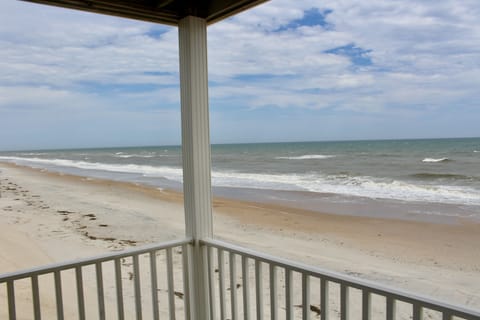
(49, 217)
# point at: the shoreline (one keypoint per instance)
(353, 206)
(62, 217)
(320, 203)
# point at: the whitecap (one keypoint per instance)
(170, 173)
(133, 156)
(435, 160)
(361, 186)
(33, 154)
(307, 157)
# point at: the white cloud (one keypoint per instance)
(428, 43)
(425, 56)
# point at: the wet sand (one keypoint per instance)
(49, 217)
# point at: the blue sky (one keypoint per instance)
(283, 71)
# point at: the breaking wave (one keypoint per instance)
(307, 157)
(133, 156)
(145, 170)
(345, 184)
(436, 176)
(435, 160)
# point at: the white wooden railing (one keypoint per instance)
(245, 284)
(152, 283)
(119, 285)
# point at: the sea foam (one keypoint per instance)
(361, 186)
(126, 156)
(145, 170)
(307, 157)
(435, 160)
(345, 184)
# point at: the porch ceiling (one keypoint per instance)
(160, 11)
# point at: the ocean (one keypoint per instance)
(426, 179)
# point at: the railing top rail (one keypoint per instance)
(345, 279)
(89, 261)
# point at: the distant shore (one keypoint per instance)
(49, 217)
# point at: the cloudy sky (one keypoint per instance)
(284, 71)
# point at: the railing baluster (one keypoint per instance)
(273, 293)
(36, 298)
(211, 283)
(417, 311)
(137, 287)
(186, 280)
(233, 286)
(80, 293)
(221, 283)
(324, 299)
(246, 288)
(119, 287)
(171, 285)
(259, 289)
(154, 285)
(366, 305)
(446, 315)
(11, 300)
(419, 304)
(289, 314)
(305, 296)
(55, 272)
(390, 307)
(344, 302)
(100, 293)
(58, 294)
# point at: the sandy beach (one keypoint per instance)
(49, 217)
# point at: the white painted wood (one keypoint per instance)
(246, 288)
(196, 154)
(186, 279)
(119, 290)
(211, 282)
(273, 293)
(221, 283)
(305, 297)
(170, 283)
(154, 285)
(137, 288)
(233, 286)
(366, 305)
(195, 127)
(259, 289)
(324, 299)
(418, 303)
(448, 311)
(417, 311)
(343, 301)
(100, 291)
(11, 300)
(289, 314)
(36, 299)
(391, 307)
(58, 294)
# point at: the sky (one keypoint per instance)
(282, 71)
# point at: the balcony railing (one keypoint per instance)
(245, 284)
(142, 283)
(152, 283)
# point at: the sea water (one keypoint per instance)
(434, 178)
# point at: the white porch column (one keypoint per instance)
(196, 154)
